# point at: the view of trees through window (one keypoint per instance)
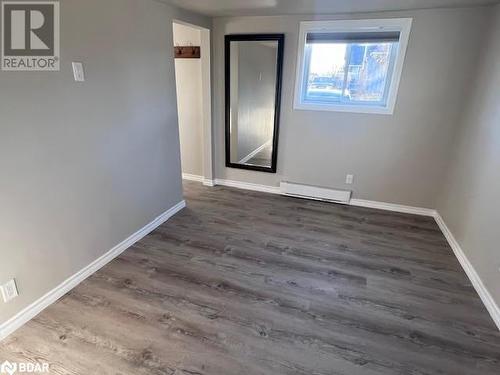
(348, 72)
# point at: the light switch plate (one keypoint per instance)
(349, 179)
(78, 71)
(9, 290)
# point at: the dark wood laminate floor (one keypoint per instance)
(249, 283)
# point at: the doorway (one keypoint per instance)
(193, 87)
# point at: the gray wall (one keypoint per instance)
(399, 158)
(189, 101)
(469, 203)
(83, 166)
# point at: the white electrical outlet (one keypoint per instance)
(9, 290)
(349, 179)
(78, 72)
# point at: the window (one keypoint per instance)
(351, 66)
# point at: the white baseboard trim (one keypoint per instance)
(39, 305)
(248, 186)
(192, 177)
(393, 207)
(208, 182)
(476, 281)
(353, 202)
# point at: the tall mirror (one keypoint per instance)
(254, 65)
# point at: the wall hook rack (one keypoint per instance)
(187, 52)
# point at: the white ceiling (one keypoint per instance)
(217, 8)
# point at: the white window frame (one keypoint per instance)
(403, 25)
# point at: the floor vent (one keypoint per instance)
(315, 192)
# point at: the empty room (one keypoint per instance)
(254, 187)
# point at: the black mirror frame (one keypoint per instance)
(280, 38)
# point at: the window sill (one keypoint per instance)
(344, 108)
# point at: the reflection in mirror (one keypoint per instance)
(252, 86)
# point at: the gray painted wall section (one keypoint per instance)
(399, 158)
(469, 203)
(86, 165)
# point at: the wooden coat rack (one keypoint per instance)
(187, 52)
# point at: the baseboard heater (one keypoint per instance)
(315, 192)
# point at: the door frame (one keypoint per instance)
(206, 88)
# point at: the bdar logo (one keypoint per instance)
(8, 368)
(24, 368)
(30, 35)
